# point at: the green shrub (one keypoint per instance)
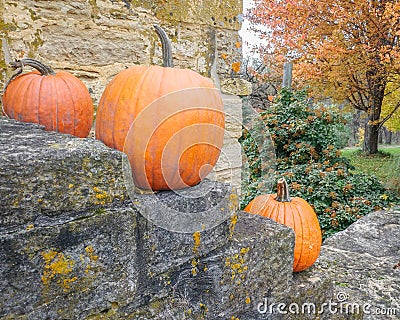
(305, 139)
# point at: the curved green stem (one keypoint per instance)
(283, 191)
(166, 47)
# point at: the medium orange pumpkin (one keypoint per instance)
(169, 121)
(58, 101)
(297, 214)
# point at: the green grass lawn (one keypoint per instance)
(385, 165)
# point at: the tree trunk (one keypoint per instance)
(371, 136)
(388, 136)
(371, 133)
(355, 126)
(376, 86)
(287, 75)
(380, 136)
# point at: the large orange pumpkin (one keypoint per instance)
(297, 214)
(58, 101)
(169, 121)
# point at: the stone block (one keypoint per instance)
(363, 262)
(45, 174)
(236, 86)
(70, 269)
(233, 116)
(226, 281)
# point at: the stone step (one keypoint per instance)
(44, 175)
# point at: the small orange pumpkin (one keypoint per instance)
(58, 101)
(169, 121)
(297, 214)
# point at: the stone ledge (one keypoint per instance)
(361, 263)
(46, 174)
(237, 86)
(69, 270)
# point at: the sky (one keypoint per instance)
(249, 38)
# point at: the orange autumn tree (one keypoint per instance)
(345, 50)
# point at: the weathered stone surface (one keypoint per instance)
(236, 86)
(97, 39)
(179, 226)
(72, 269)
(223, 282)
(44, 174)
(363, 263)
(229, 165)
(233, 116)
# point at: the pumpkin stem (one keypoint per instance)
(43, 69)
(166, 47)
(19, 64)
(283, 191)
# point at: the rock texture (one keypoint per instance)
(45, 173)
(229, 166)
(69, 270)
(236, 86)
(363, 262)
(98, 38)
(73, 257)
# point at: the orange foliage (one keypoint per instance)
(236, 66)
(345, 49)
(334, 43)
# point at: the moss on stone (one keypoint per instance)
(95, 9)
(33, 14)
(35, 44)
(4, 29)
(221, 14)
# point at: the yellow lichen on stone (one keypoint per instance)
(90, 252)
(194, 267)
(236, 265)
(203, 307)
(233, 202)
(196, 239)
(67, 283)
(57, 265)
(101, 196)
(232, 225)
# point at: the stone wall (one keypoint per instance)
(77, 242)
(363, 262)
(96, 39)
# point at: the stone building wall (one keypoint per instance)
(96, 39)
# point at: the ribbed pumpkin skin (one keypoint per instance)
(59, 102)
(134, 89)
(298, 215)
